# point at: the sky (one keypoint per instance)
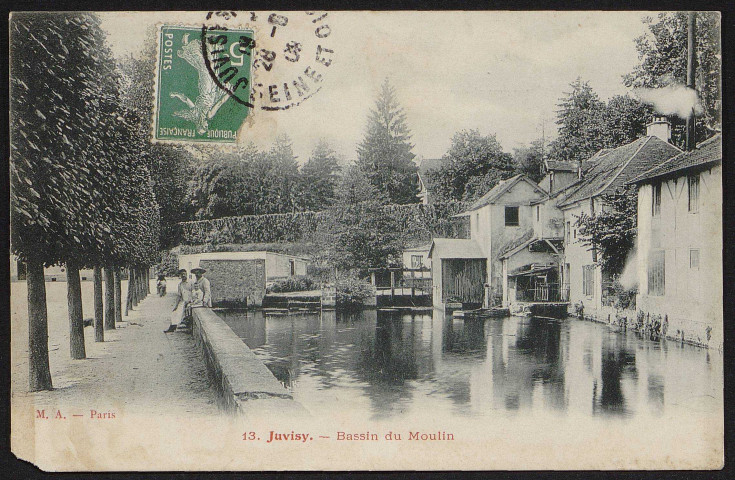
(499, 72)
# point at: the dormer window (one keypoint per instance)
(511, 217)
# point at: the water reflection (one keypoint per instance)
(387, 363)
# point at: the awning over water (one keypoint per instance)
(530, 270)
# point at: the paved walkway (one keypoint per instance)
(137, 369)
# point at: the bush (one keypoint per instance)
(292, 284)
(169, 264)
(352, 292)
(619, 297)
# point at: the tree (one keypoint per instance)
(662, 52)
(171, 166)
(530, 160)
(79, 194)
(612, 230)
(385, 154)
(476, 164)
(284, 172)
(580, 131)
(359, 235)
(624, 120)
(319, 178)
(587, 124)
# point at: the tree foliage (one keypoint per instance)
(587, 124)
(79, 190)
(319, 178)
(385, 155)
(662, 52)
(357, 233)
(530, 160)
(476, 164)
(612, 231)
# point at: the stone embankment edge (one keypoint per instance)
(238, 375)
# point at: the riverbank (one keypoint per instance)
(137, 368)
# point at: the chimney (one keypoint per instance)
(659, 127)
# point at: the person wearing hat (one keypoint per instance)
(203, 284)
(182, 301)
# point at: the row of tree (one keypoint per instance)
(81, 189)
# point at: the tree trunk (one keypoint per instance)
(109, 299)
(118, 295)
(129, 297)
(136, 287)
(76, 316)
(39, 374)
(99, 308)
(147, 280)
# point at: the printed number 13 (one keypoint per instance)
(248, 436)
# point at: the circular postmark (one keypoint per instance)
(289, 56)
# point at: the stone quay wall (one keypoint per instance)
(243, 383)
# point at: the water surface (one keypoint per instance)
(385, 364)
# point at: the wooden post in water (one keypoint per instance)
(99, 309)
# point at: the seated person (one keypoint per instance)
(197, 296)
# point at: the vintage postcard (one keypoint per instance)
(366, 240)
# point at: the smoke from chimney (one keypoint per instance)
(671, 100)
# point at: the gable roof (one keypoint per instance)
(614, 169)
(501, 188)
(455, 248)
(708, 152)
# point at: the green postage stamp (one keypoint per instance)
(203, 83)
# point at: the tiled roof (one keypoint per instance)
(455, 248)
(499, 189)
(708, 152)
(559, 165)
(613, 170)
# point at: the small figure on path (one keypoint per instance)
(203, 283)
(182, 302)
(161, 286)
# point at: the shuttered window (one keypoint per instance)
(693, 182)
(588, 280)
(657, 273)
(656, 204)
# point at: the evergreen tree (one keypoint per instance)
(385, 153)
(319, 178)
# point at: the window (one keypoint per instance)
(538, 212)
(293, 267)
(657, 273)
(417, 261)
(588, 280)
(694, 259)
(511, 216)
(477, 222)
(656, 203)
(569, 231)
(693, 182)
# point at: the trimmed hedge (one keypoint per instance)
(418, 222)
